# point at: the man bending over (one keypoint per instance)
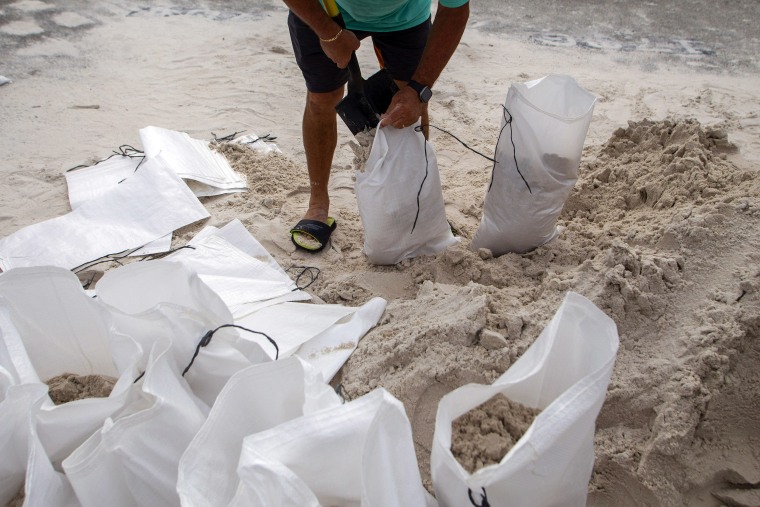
(414, 51)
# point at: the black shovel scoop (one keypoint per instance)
(366, 99)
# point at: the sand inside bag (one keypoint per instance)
(485, 434)
(70, 387)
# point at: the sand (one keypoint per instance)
(71, 387)
(485, 434)
(660, 231)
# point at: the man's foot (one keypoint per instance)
(312, 235)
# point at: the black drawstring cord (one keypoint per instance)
(460, 141)
(311, 270)
(113, 257)
(226, 138)
(125, 150)
(161, 255)
(496, 150)
(206, 339)
(419, 129)
(117, 257)
(231, 137)
(419, 192)
(483, 498)
(514, 149)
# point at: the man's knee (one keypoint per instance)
(323, 103)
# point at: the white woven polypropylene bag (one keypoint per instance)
(359, 453)
(400, 198)
(544, 124)
(564, 373)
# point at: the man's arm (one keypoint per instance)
(445, 34)
(338, 49)
(443, 40)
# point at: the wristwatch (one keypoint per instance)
(423, 92)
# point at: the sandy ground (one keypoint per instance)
(660, 231)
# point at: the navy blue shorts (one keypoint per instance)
(399, 52)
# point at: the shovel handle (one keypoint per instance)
(332, 10)
(355, 81)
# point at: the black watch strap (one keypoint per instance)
(423, 92)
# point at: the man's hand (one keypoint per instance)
(445, 34)
(405, 109)
(340, 49)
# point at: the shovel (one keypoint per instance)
(366, 99)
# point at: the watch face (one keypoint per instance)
(425, 94)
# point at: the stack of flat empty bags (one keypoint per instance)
(127, 201)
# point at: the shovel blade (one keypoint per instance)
(357, 113)
(379, 89)
(361, 111)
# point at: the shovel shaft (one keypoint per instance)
(355, 80)
(359, 110)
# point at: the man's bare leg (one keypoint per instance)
(320, 137)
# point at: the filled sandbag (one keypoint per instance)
(543, 127)
(564, 374)
(255, 399)
(400, 198)
(51, 328)
(358, 453)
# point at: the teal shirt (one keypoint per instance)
(388, 15)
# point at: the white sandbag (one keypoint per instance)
(400, 199)
(24, 463)
(150, 204)
(8, 374)
(235, 276)
(236, 234)
(133, 459)
(141, 286)
(543, 127)
(359, 453)
(86, 183)
(255, 399)
(50, 327)
(207, 172)
(564, 373)
(328, 351)
(162, 298)
(291, 325)
(273, 481)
